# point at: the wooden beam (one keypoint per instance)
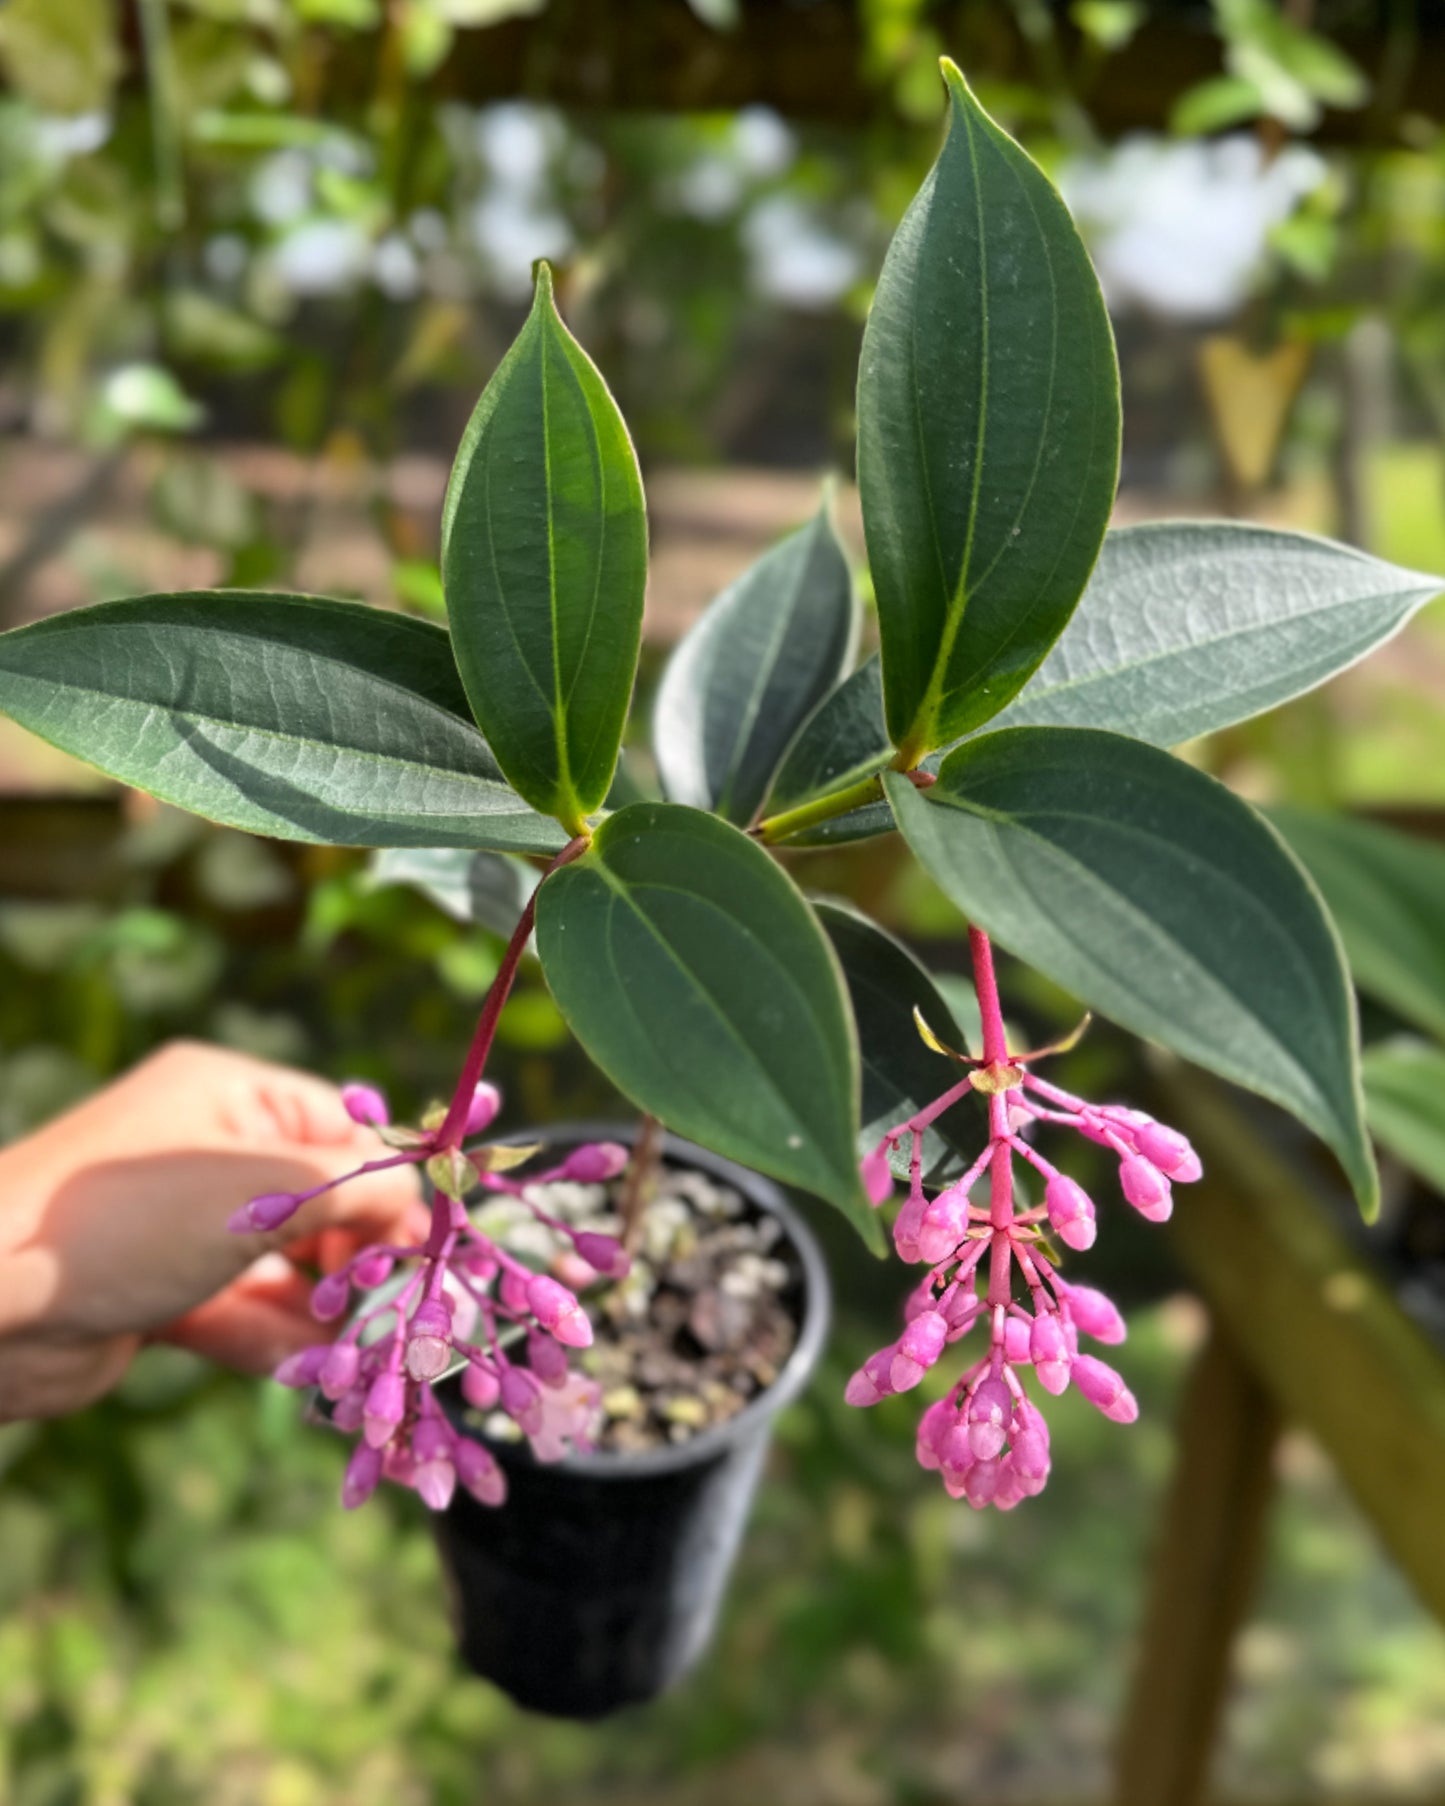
(1317, 1323)
(1204, 1571)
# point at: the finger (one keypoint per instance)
(250, 1330)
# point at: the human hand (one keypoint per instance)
(113, 1223)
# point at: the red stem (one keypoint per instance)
(995, 1046)
(449, 1135)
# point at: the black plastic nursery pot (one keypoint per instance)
(597, 1584)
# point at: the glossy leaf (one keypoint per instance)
(751, 671)
(1386, 892)
(486, 889)
(1158, 898)
(285, 715)
(1405, 1103)
(900, 1075)
(544, 559)
(1190, 626)
(988, 432)
(843, 740)
(693, 973)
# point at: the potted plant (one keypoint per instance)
(1033, 670)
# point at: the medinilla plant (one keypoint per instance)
(1033, 671)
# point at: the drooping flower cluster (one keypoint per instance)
(459, 1300)
(986, 1438)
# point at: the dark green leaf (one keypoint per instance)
(1157, 897)
(1189, 626)
(988, 432)
(1386, 892)
(900, 1075)
(752, 670)
(487, 889)
(284, 715)
(843, 740)
(544, 559)
(693, 973)
(1405, 1103)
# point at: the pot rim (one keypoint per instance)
(612, 1464)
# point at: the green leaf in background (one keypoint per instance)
(1189, 626)
(544, 560)
(900, 1075)
(694, 974)
(487, 889)
(843, 740)
(1405, 1104)
(988, 432)
(751, 671)
(285, 715)
(1158, 898)
(1386, 892)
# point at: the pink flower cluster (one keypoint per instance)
(465, 1301)
(987, 1439)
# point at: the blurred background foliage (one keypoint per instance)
(257, 257)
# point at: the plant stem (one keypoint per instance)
(824, 808)
(449, 1135)
(1001, 1176)
(995, 1046)
(638, 1187)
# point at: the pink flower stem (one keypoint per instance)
(449, 1135)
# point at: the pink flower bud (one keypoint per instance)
(384, 1408)
(1170, 1151)
(1094, 1314)
(906, 1226)
(942, 1225)
(435, 1482)
(486, 1101)
(1010, 1490)
(871, 1382)
(547, 1358)
(1146, 1188)
(1016, 1340)
(260, 1214)
(877, 1175)
(432, 1440)
(961, 1310)
(557, 1309)
(603, 1253)
(1071, 1211)
(522, 1399)
(921, 1299)
(478, 1472)
(955, 1455)
(340, 1368)
(595, 1163)
(933, 1426)
(429, 1338)
(480, 1387)
(980, 1483)
(330, 1296)
(363, 1471)
(1049, 1352)
(348, 1411)
(1105, 1389)
(1029, 1447)
(302, 1368)
(513, 1291)
(365, 1104)
(371, 1269)
(989, 1411)
(916, 1350)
